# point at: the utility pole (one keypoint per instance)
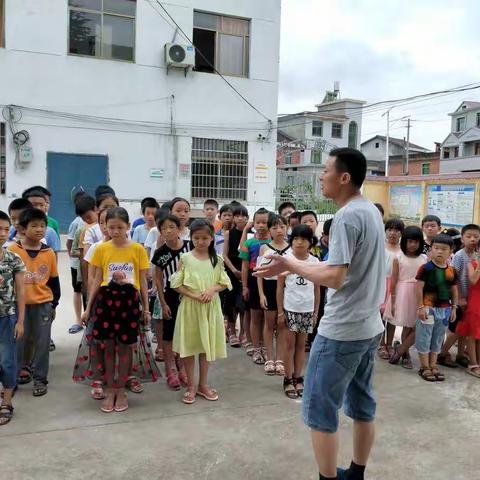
(408, 146)
(387, 141)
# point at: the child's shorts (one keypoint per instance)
(299, 322)
(253, 302)
(270, 291)
(429, 336)
(8, 351)
(76, 280)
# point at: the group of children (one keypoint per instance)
(433, 295)
(192, 284)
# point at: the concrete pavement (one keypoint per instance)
(425, 431)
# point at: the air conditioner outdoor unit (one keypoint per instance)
(179, 56)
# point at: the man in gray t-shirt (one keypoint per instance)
(340, 368)
(352, 312)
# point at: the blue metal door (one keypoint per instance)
(68, 173)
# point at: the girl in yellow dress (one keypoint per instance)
(199, 328)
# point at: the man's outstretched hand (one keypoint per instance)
(277, 265)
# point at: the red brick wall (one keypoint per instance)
(414, 167)
(296, 157)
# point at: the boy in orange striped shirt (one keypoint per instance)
(42, 292)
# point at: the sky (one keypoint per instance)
(381, 50)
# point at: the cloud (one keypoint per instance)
(381, 50)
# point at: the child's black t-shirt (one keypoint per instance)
(167, 260)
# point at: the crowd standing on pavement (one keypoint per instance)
(189, 288)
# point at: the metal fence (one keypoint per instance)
(219, 169)
(304, 190)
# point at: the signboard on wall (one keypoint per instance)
(453, 204)
(406, 202)
(261, 172)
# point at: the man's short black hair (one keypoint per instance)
(240, 210)
(84, 204)
(38, 191)
(326, 226)
(352, 161)
(295, 215)
(431, 218)
(394, 224)
(443, 239)
(19, 204)
(285, 205)
(30, 215)
(226, 208)
(149, 202)
(470, 226)
(103, 189)
(210, 201)
(308, 212)
(4, 216)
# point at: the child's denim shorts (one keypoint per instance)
(339, 373)
(429, 336)
(8, 351)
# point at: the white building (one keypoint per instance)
(461, 149)
(336, 123)
(88, 81)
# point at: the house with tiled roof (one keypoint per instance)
(461, 149)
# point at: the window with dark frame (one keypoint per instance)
(460, 124)
(425, 168)
(456, 151)
(222, 43)
(377, 145)
(446, 152)
(219, 169)
(477, 148)
(288, 158)
(3, 160)
(337, 130)
(352, 135)
(478, 119)
(102, 28)
(317, 128)
(316, 157)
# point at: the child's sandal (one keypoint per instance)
(289, 388)
(189, 396)
(269, 367)
(473, 370)
(173, 382)
(6, 414)
(97, 392)
(134, 385)
(427, 374)
(279, 368)
(298, 382)
(439, 376)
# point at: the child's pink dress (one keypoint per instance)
(406, 296)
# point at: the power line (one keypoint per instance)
(209, 63)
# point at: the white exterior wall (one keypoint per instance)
(372, 153)
(37, 71)
(470, 119)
